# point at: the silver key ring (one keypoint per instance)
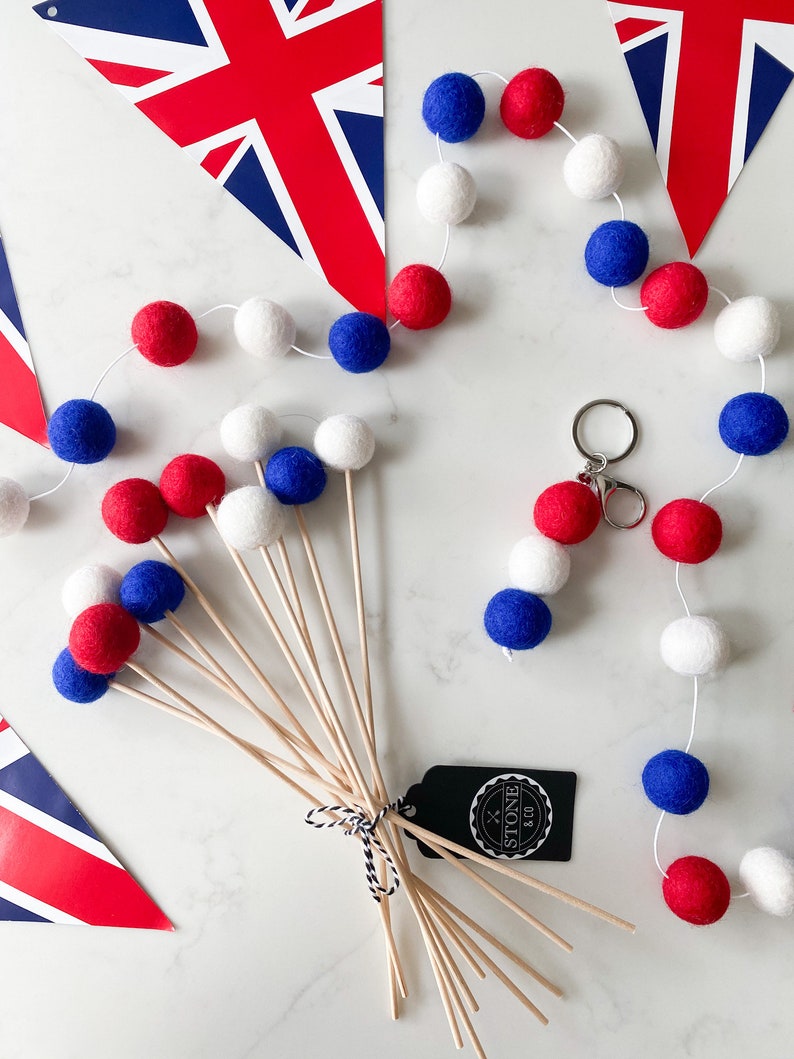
(596, 457)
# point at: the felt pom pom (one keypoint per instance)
(446, 193)
(616, 253)
(134, 511)
(295, 475)
(694, 646)
(453, 107)
(517, 620)
(264, 328)
(567, 512)
(687, 531)
(747, 328)
(250, 518)
(75, 683)
(539, 564)
(768, 876)
(150, 589)
(593, 167)
(14, 507)
(250, 432)
(531, 102)
(81, 432)
(344, 442)
(359, 342)
(676, 782)
(189, 483)
(419, 297)
(164, 333)
(753, 424)
(674, 295)
(696, 890)
(89, 585)
(103, 638)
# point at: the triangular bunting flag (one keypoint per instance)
(53, 867)
(709, 75)
(251, 89)
(20, 398)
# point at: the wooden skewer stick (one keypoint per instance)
(197, 646)
(366, 675)
(487, 936)
(223, 733)
(458, 934)
(227, 633)
(281, 545)
(503, 869)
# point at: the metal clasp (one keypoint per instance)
(597, 462)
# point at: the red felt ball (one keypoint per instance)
(687, 531)
(674, 295)
(189, 482)
(696, 890)
(134, 511)
(567, 512)
(419, 297)
(531, 102)
(164, 333)
(103, 637)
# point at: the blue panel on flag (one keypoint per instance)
(646, 66)
(248, 183)
(27, 780)
(173, 20)
(9, 911)
(770, 81)
(8, 299)
(289, 4)
(364, 133)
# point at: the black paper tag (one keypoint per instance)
(503, 813)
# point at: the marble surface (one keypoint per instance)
(277, 949)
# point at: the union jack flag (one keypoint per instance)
(709, 76)
(20, 399)
(53, 867)
(280, 100)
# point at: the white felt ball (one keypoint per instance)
(250, 518)
(747, 328)
(14, 507)
(250, 433)
(694, 646)
(344, 442)
(88, 586)
(264, 328)
(446, 193)
(593, 168)
(538, 564)
(768, 876)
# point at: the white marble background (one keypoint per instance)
(277, 950)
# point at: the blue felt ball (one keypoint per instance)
(151, 588)
(517, 620)
(359, 342)
(74, 683)
(616, 253)
(676, 782)
(453, 107)
(81, 432)
(295, 475)
(753, 424)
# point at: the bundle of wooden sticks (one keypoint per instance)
(329, 758)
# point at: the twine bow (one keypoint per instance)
(355, 822)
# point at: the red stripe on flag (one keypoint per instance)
(314, 6)
(629, 28)
(217, 158)
(66, 877)
(20, 399)
(130, 76)
(4, 724)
